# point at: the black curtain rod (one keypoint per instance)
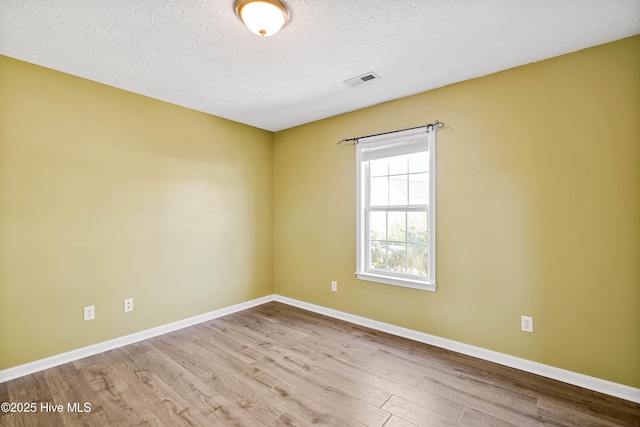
(437, 124)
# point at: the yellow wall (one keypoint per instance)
(538, 213)
(106, 195)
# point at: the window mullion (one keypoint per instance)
(399, 208)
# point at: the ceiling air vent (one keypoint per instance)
(362, 79)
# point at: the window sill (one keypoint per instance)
(397, 281)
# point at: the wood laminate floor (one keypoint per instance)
(277, 365)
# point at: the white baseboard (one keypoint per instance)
(580, 380)
(70, 356)
(585, 381)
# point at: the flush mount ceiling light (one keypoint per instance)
(263, 17)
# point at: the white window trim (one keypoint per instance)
(361, 230)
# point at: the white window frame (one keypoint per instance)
(423, 134)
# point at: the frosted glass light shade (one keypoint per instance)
(263, 17)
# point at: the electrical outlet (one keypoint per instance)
(334, 286)
(128, 305)
(89, 313)
(526, 324)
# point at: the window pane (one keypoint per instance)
(417, 227)
(419, 162)
(396, 209)
(378, 226)
(398, 164)
(378, 255)
(397, 257)
(379, 167)
(417, 259)
(419, 189)
(398, 190)
(397, 226)
(380, 191)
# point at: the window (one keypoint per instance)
(396, 208)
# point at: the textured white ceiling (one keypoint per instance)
(198, 54)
